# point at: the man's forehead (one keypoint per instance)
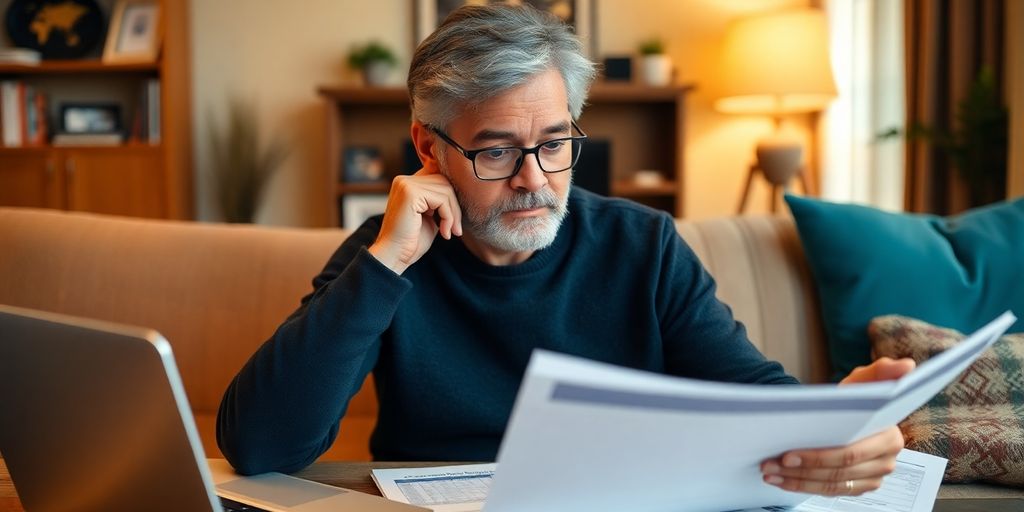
(539, 105)
(485, 134)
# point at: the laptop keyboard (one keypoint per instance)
(234, 506)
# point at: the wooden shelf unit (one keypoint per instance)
(77, 66)
(134, 178)
(627, 188)
(644, 125)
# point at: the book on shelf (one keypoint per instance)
(88, 139)
(153, 110)
(146, 121)
(23, 120)
(21, 56)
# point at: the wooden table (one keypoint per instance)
(350, 475)
(356, 476)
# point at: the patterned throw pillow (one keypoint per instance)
(977, 422)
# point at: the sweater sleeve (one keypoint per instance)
(282, 410)
(701, 338)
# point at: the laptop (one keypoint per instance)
(94, 417)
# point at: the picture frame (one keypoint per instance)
(579, 14)
(356, 208)
(134, 33)
(362, 164)
(90, 118)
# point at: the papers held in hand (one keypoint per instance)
(590, 436)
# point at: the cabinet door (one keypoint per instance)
(118, 181)
(29, 178)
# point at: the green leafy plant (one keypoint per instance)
(653, 46)
(241, 167)
(361, 56)
(978, 143)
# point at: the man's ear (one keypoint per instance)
(425, 142)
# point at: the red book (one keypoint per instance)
(22, 115)
(42, 126)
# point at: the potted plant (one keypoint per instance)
(977, 143)
(374, 60)
(656, 65)
(241, 166)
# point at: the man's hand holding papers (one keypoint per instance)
(848, 470)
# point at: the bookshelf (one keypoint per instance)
(644, 126)
(135, 178)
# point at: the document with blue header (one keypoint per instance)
(589, 436)
(441, 489)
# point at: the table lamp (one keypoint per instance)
(776, 64)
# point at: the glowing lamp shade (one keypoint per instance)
(776, 64)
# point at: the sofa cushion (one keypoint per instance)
(977, 422)
(215, 291)
(959, 271)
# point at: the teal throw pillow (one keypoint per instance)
(959, 271)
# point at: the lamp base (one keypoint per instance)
(779, 158)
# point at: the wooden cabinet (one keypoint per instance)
(641, 127)
(30, 178)
(117, 181)
(122, 181)
(134, 178)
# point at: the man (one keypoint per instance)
(487, 253)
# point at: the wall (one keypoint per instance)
(282, 51)
(277, 53)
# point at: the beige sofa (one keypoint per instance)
(218, 291)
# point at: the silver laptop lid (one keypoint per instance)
(94, 417)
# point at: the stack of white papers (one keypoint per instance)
(912, 487)
(588, 436)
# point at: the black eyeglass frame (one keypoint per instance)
(470, 154)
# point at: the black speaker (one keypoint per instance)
(618, 69)
(593, 170)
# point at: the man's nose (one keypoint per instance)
(530, 177)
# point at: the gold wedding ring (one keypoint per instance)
(849, 486)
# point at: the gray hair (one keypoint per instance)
(479, 52)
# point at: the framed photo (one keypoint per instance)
(90, 118)
(576, 13)
(134, 32)
(356, 208)
(362, 164)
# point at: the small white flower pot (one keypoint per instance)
(657, 70)
(377, 73)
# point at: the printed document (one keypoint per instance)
(911, 487)
(441, 489)
(589, 436)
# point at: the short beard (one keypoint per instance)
(489, 226)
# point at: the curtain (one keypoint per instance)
(866, 41)
(947, 44)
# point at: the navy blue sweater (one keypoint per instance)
(448, 341)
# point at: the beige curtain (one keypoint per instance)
(947, 42)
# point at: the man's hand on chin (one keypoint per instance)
(847, 470)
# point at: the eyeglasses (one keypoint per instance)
(504, 162)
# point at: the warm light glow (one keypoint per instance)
(776, 64)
